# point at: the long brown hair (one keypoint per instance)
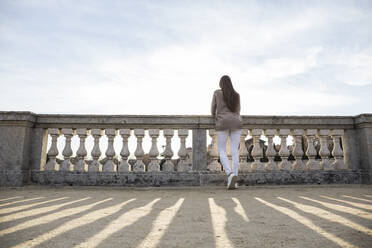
(230, 96)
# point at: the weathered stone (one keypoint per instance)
(199, 150)
(154, 152)
(96, 151)
(182, 165)
(67, 151)
(139, 165)
(243, 152)
(51, 164)
(298, 150)
(193, 178)
(284, 152)
(213, 165)
(324, 152)
(124, 153)
(270, 151)
(257, 165)
(110, 166)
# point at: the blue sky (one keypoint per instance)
(166, 57)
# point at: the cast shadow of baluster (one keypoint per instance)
(34, 229)
(348, 202)
(265, 226)
(22, 202)
(8, 199)
(191, 226)
(41, 204)
(133, 234)
(356, 215)
(79, 235)
(339, 234)
(241, 225)
(35, 213)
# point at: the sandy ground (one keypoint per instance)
(267, 216)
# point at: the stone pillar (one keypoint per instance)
(139, 165)
(364, 138)
(124, 153)
(298, 149)
(67, 151)
(257, 165)
(199, 149)
(168, 153)
(154, 152)
(38, 149)
(182, 153)
(270, 152)
(16, 138)
(243, 151)
(311, 152)
(365, 141)
(351, 149)
(96, 151)
(284, 152)
(214, 165)
(51, 165)
(81, 153)
(324, 152)
(109, 166)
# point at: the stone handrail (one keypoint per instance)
(23, 142)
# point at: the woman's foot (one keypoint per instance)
(231, 180)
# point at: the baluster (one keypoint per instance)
(154, 152)
(324, 151)
(67, 151)
(168, 153)
(257, 151)
(110, 166)
(270, 151)
(337, 152)
(182, 153)
(284, 152)
(124, 153)
(243, 151)
(96, 152)
(139, 165)
(298, 149)
(53, 150)
(311, 152)
(81, 153)
(214, 165)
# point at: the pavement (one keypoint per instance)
(254, 216)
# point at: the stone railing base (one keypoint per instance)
(366, 177)
(156, 179)
(14, 178)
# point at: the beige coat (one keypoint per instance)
(224, 118)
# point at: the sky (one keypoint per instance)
(166, 57)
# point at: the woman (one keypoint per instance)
(226, 112)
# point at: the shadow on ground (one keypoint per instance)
(291, 216)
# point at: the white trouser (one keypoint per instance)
(234, 146)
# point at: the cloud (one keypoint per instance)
(166, 58)
(355, 68)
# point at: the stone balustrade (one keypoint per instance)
(303, 159)
(109, 165)
(273, 149)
